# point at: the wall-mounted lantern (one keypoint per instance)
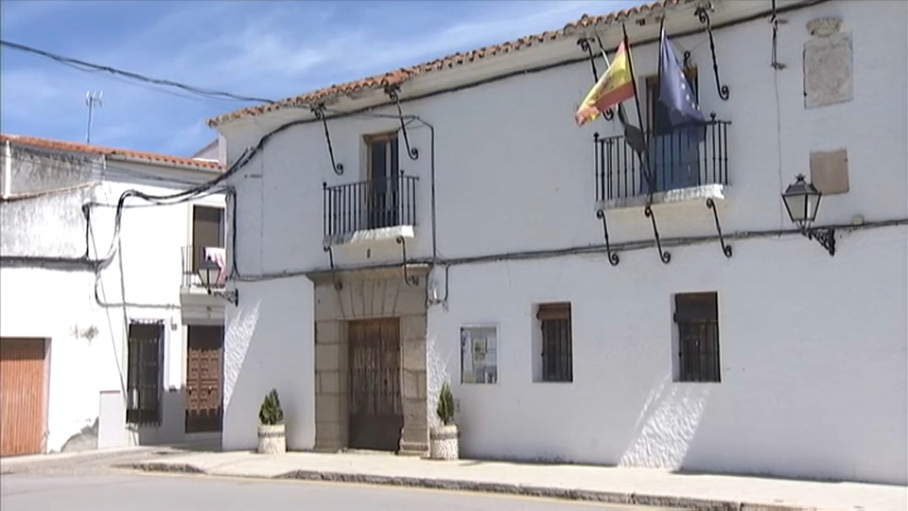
(208, 274)
(802, 200)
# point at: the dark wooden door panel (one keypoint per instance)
(376, 411)
(203, 378)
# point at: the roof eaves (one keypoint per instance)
(402, 75)
(137, 156)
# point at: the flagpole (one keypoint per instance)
(659, 71)
(609, 113)
(646, 170)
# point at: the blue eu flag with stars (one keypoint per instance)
(675, 91)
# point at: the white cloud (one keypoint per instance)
(266, 49)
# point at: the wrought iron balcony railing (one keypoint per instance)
(193, 255)
(683, 157)
(367, 205)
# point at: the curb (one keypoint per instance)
(539, 491)
(184, 468)
(605, 497)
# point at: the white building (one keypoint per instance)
(778, 359)
(106, 341)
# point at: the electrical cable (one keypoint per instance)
(90, 67)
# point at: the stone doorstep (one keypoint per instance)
(605, 497)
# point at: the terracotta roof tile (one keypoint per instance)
(401, 75)
(75, 147)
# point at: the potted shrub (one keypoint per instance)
(272, 438)
(443, 444)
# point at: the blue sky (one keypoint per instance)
(271, 49)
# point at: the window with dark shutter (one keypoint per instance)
(557, 363)
(143, 376)
(697, 317)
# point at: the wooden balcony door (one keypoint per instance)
(383, 199)
(674, 153)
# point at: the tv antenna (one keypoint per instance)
(92, 99)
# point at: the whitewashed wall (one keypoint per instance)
(514, 173)
(88, 339)
(812, 352)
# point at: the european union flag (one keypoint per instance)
(675, 91)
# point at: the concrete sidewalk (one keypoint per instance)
(604, 484)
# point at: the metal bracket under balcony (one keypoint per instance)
(368, 211)
(688, 163)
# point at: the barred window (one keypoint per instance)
(697, 317)
(557, 362)
(143, 377)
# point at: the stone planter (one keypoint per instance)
(272, 439)
(443, 443)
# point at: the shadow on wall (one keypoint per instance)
(436, 374)
(84, 440)
(666, 425)
(237, 339)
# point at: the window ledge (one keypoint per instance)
(371, 235)
(695, 193)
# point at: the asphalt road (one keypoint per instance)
(139, 492)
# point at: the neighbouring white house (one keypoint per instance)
(446, 222)
(107, 338)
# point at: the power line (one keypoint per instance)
(82, 65)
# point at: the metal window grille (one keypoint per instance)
(697, 316)
(143, 378)
(557, 355)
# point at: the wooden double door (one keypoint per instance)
(204, 378)
(376, 411)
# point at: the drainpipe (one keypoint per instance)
(7, 170)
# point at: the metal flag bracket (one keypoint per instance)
(726, 249)
(702, 13)
(612, 257)
(411, 281)
(393, 92)
(584, 43)
(338, 285)
(663, 255)
(776, 21)
(319, 112)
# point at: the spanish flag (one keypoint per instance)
(615, 86)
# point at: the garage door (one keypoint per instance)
(21, 396)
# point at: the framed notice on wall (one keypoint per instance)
(479, 354)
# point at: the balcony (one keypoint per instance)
(688, 163)
(370, 210)
(196, 305)
(193, 255)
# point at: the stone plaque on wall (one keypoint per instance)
(828, 64)
(829, 171)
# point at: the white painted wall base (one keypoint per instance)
(269, 345)
(812, 355)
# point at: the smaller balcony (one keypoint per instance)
(193, 256)
(371, 210)
(687, 163)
